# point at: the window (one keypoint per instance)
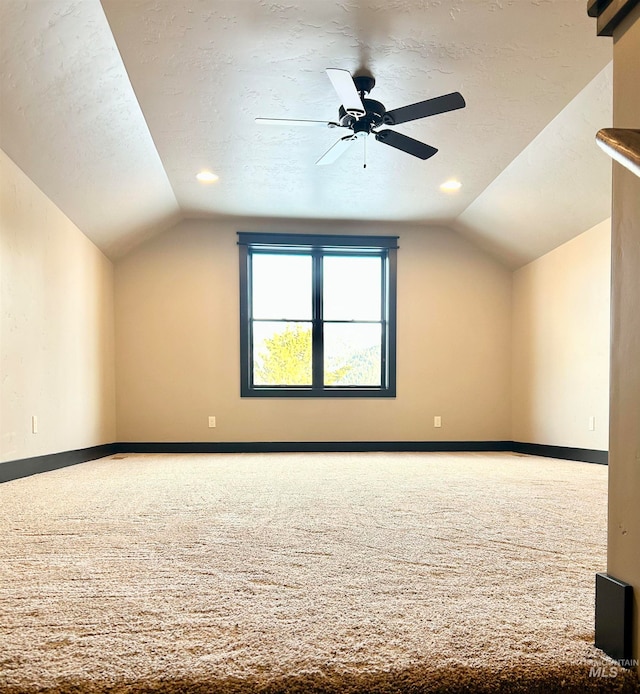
(317, 315)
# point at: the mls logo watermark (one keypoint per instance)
(611, 669)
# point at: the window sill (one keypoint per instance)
(317, 393)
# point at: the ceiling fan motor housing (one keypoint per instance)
(374, 114)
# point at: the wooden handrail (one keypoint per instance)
(623, 145)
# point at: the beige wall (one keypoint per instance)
(624, 455)
(176, 314)
(560, 360)
(177, 344)
(56, 327)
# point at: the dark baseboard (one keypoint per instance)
(614, 618)
(583, 455)
(314, 446)
(15, 469)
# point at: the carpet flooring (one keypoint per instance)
(362, 572)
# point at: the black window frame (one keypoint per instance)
(319, 246)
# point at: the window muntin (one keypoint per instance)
(317, 315)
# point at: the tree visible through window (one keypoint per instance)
(317, 315)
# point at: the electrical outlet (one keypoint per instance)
(212, 422)
(34, 424)
(437, 421)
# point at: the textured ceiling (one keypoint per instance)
(113, 108)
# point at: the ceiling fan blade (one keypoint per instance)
(336, 150)
(295, 121)
(347, 92)
(430, 107)
(406, 144)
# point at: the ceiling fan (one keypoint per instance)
(365, 117)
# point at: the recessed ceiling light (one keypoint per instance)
(207, 177)
(450, 186)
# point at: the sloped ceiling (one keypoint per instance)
(112, 108)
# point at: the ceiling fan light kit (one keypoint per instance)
(364, 116)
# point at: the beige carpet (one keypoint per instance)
(294, 573)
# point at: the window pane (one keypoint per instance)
(352, 288)
(281, 286)
(352, 354)
(281, 353)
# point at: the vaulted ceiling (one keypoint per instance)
(112, 107)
